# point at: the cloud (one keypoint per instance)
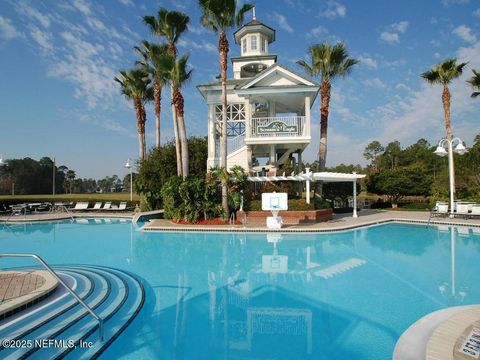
(317, 32)
(201, 45)
(476, 13)
(368, 61)
(334, 10)
(375, 83)
(447, 3)
(26, 10)
(197, 29)
(7, 30)
(464, 33)
(389, 37)
(392, 33)
(127, 2)
(82, 6)
(43, 39)
(281, 21)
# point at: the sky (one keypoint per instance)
(58, 60)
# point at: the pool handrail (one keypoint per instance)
(54, 274)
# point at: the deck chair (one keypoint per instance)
(475, 210)
(107, 206)
(440, 210)
(81, 205)
(97, 206)
(122, 206)
(462, 210)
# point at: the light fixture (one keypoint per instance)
(128, 164)
(460, 149)
(441, 151)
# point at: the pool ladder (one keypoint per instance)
(54, 274)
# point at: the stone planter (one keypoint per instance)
(289, 217)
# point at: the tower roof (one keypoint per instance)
(254, 26)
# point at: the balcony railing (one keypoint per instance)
(278, 126)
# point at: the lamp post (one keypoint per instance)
(446, 147)
(128, 165)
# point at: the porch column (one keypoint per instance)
(211, 135)
(249, 158)
(355, 197)
(299, 161)
(272, 154)
(306, 130)
(248, 119)
(307, 172)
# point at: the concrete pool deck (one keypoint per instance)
(338, 223)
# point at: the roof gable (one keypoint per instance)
(277, 75)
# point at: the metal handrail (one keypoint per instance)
(66, 210)
(54, 274)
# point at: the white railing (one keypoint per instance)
(278, 126)
(235, 143)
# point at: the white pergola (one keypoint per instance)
(318, 176)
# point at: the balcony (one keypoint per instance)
(278, 127)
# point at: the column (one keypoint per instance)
(272, 154)
(306, 131)
(355, 197)
(248, 119)
(211, 136)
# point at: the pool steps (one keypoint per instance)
(115, 295)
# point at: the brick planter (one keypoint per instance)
(290, 217)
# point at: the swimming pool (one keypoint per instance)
(334, 295)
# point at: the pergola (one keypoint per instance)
(318, 176)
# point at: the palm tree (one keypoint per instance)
(178, 75)
(219, 16)
(475, 82)
(443, 73)
(135, 86)
(170, 25)
(152, 55)
(329, 62)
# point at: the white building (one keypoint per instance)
(268, 106)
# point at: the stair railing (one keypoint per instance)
(54, 274)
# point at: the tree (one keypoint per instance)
(135, 86)
(152, 55)
(392, 154)
(170, 25)
(372, 151)
(329, 62)
(475, 82)
(178, 75)
(70, 177)
(219, 16)
(443, 74)
(399, 182)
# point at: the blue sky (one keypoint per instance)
(58, 59)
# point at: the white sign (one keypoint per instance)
(274, 201)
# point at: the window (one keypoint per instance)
(244, 45)
(253, 43)
(262, 44)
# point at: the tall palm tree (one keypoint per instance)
(219, 16)
(135, 85)
(443, 73)
(178, 75)
(475, 82)
(152, 55)
(328, 62)
(170, 25)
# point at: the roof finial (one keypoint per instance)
(254, 17)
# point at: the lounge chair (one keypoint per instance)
(440, 210)
(97, 206)
(81, 205)
(122, 206)
(107, 206)
(462, 210)
(475, 210)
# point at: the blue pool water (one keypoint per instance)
(343, 295)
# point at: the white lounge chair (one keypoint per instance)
(97, 206)
(475, 210)
(122, 206)
(440, 210)
(107, 206)
(81, 205)
(462, 210)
